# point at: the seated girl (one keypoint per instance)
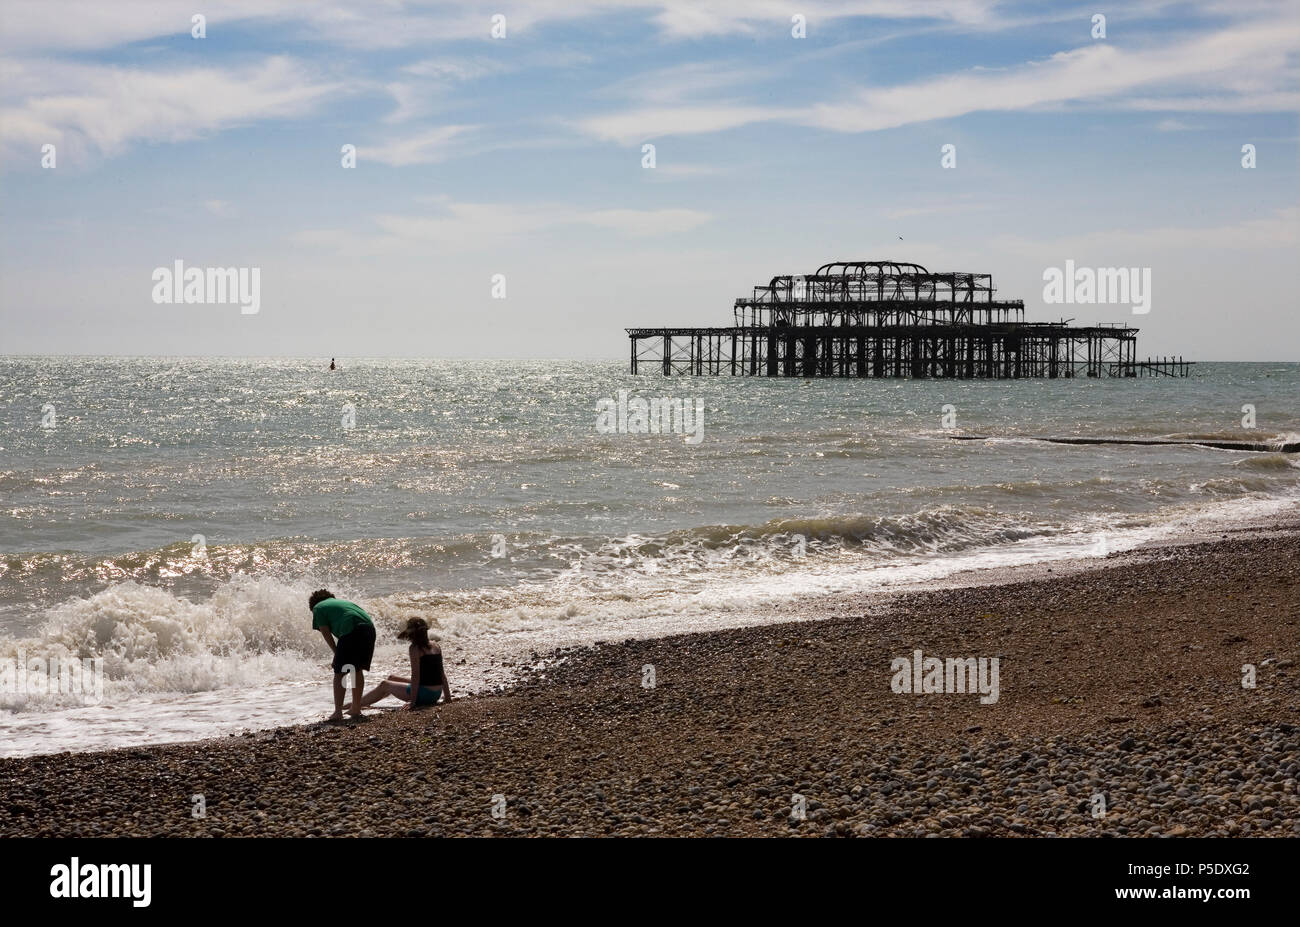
(428, 680)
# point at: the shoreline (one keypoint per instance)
(213, 714)
(1120, 678)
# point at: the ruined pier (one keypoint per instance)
(889, 320)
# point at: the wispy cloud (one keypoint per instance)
(466, 226)
(30, 25)
(937, 205)
(1250, 62)
(695, 19)
(428, 147)
(1279, 229)
(638, 125)
(423, 84)
(682, 170)
(122, 105)
(645, 223)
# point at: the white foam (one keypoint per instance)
(246, 658)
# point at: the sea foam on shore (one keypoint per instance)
(246, 658)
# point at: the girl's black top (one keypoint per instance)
(431, 670)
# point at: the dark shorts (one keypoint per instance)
(428, 695)
(355, 649)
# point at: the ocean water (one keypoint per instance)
(170, 516)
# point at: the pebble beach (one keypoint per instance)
(1121, 711)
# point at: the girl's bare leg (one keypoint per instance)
(385, 689)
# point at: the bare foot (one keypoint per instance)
(355, 714)
(337, 716)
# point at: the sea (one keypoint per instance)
(163, 520)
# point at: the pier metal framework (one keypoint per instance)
(886, 319)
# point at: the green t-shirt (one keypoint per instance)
(339, 615)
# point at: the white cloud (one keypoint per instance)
(469, 226)
(1250, 62)
(1279, 102)
(118, 106)
(645, 222)
(27, 25)
(701, 18)
(449, 69)
(474, 222)
(428, 147)
(431, 80)
(679, 169)
(641, 125)
(1278, 230)
(939, 206)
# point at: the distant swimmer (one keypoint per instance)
(331, 363)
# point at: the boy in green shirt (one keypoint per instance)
(347, 621)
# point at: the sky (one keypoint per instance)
(501, 204)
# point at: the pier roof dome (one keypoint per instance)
(869, 269)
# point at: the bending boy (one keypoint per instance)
(347, 621)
